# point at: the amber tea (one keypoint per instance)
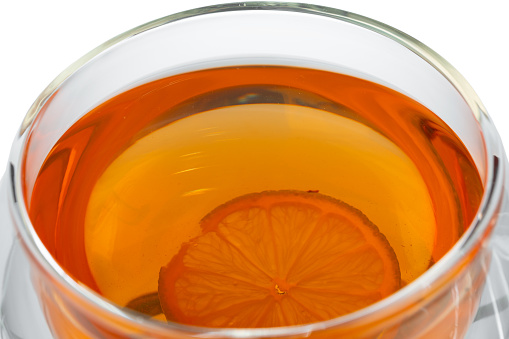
(254, 196)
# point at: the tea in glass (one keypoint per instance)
(254, 196)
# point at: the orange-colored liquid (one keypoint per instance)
(128, 184)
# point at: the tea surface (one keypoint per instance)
(125, 191)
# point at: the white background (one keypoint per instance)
(39, 39)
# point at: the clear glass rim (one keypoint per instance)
(479, 226)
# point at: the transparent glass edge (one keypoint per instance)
(494, 189)
(434, 59)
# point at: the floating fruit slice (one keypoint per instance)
(278, 258)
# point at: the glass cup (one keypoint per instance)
(39, 300)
